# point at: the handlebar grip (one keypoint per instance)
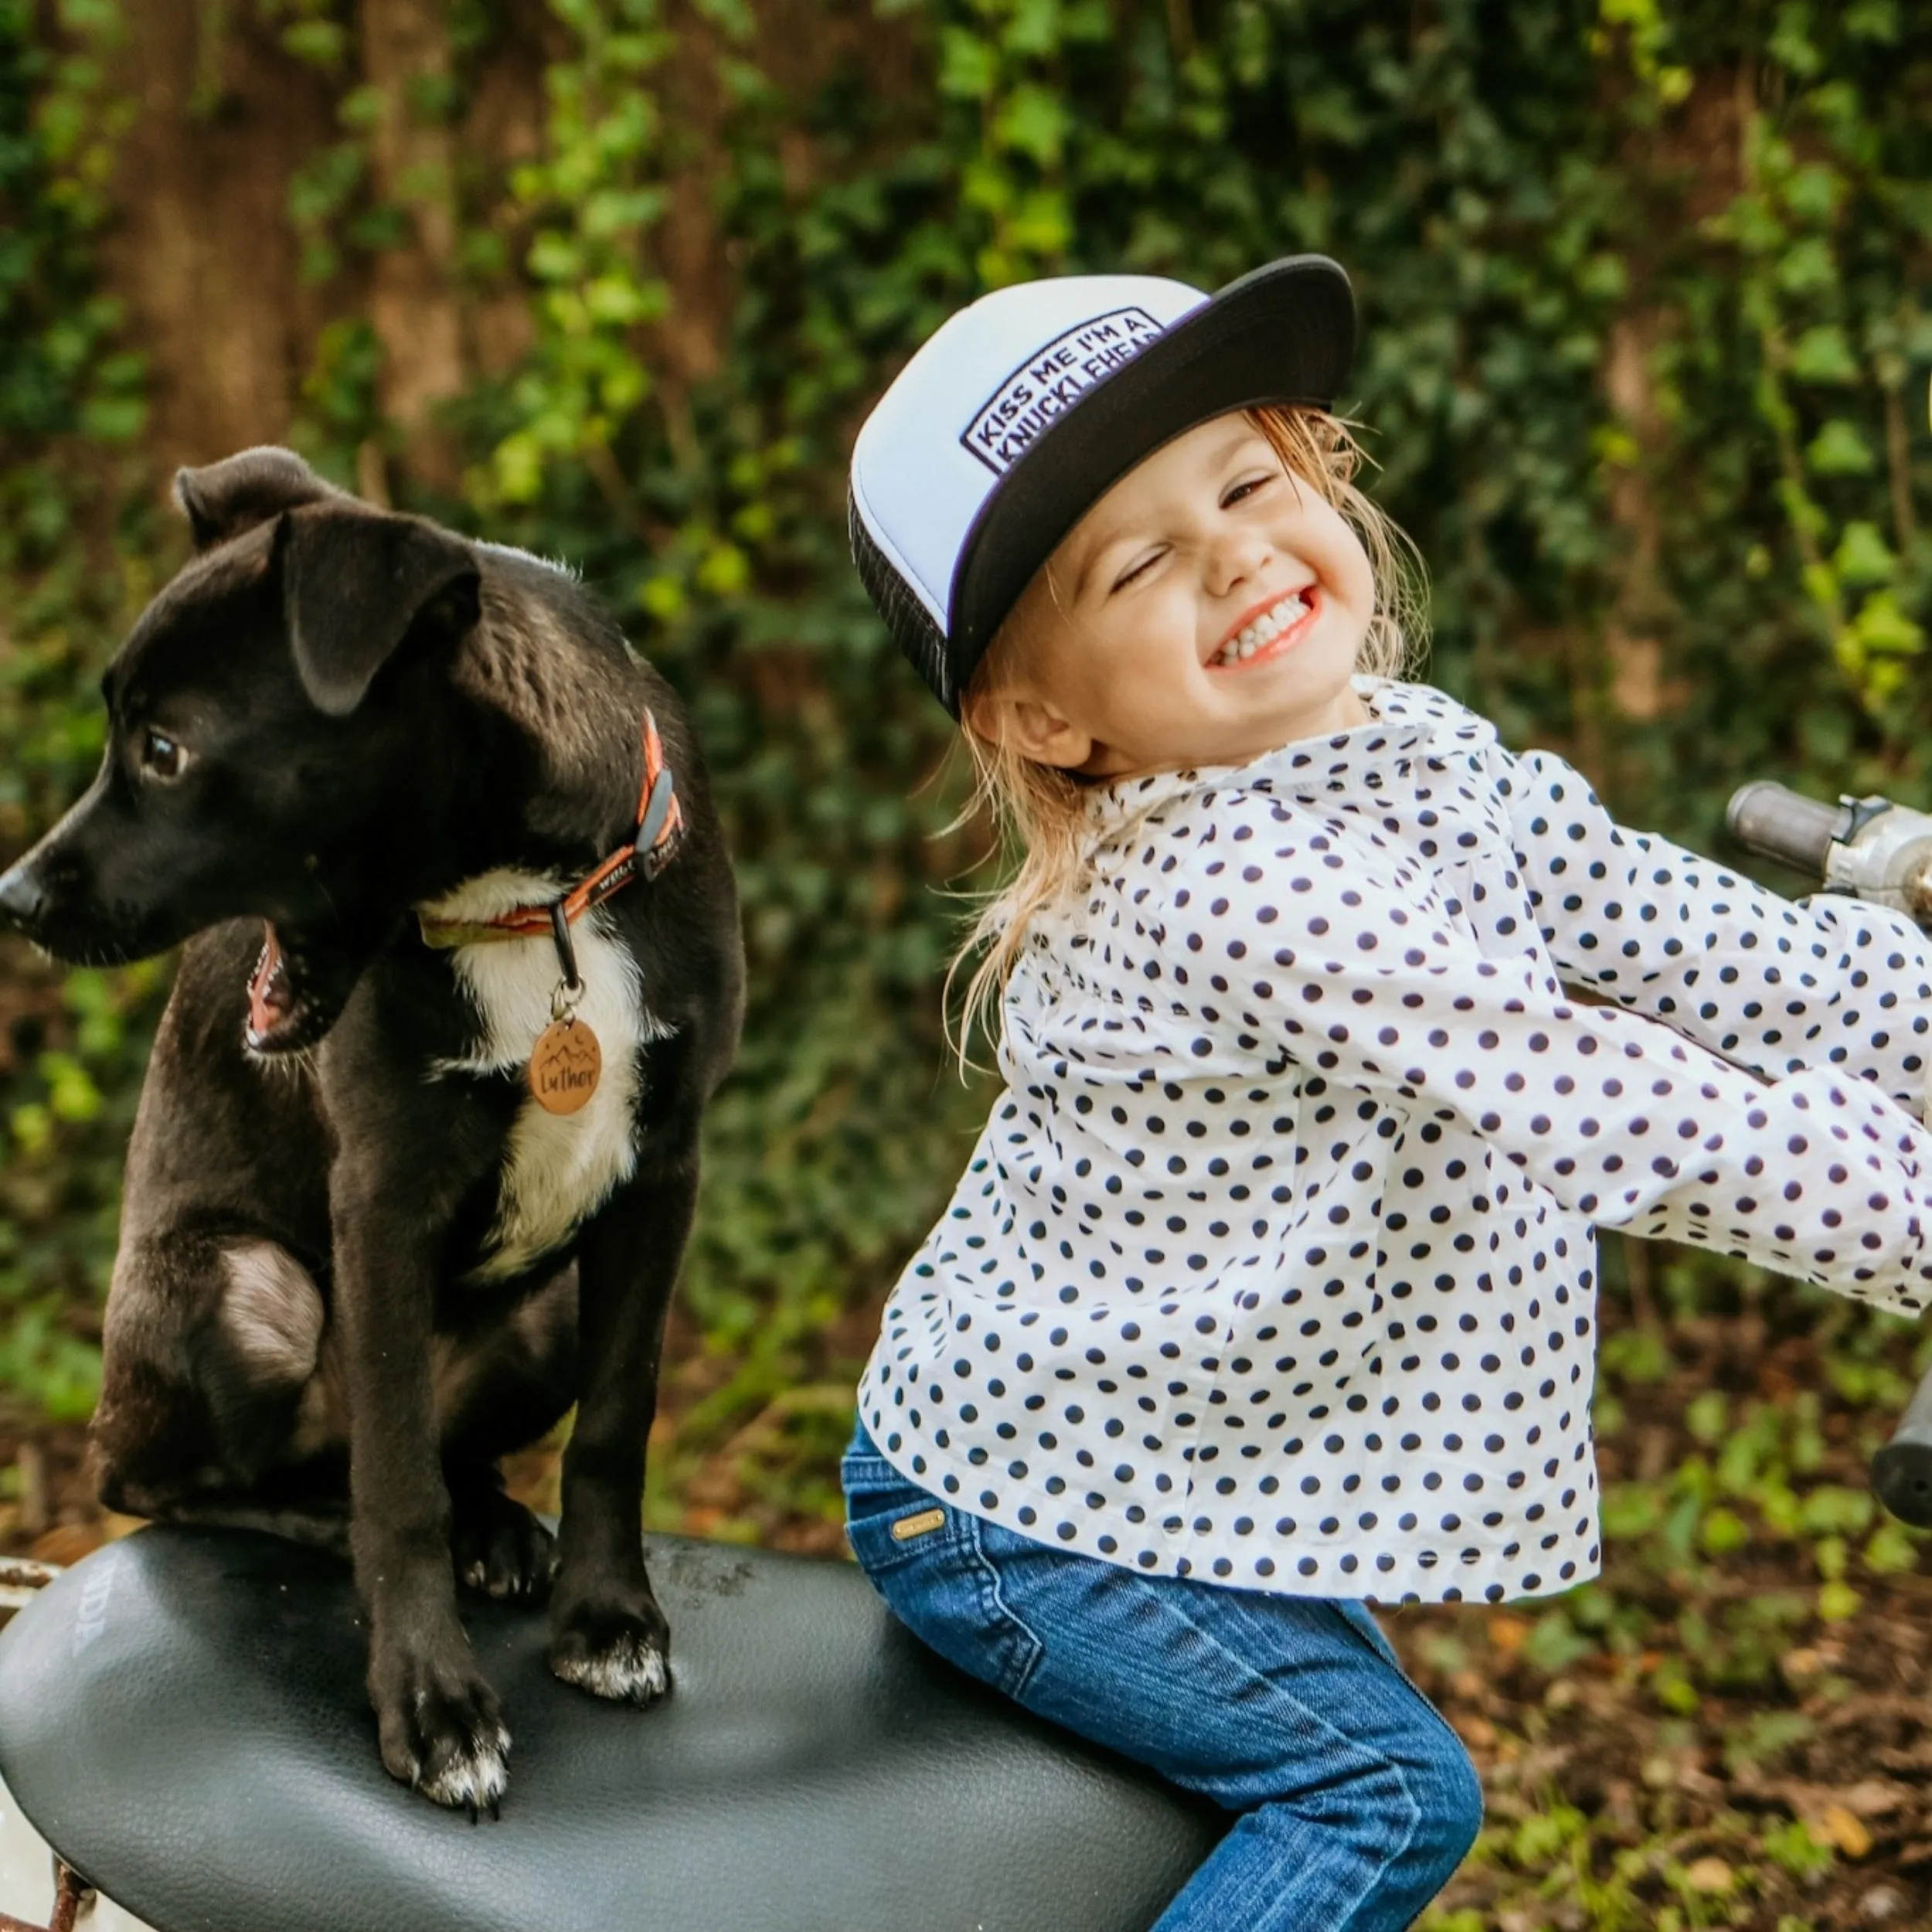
(1902, 1470)
(1773, 821)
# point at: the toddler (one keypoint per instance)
(1267, 1294)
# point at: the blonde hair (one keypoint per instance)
(1039, 812)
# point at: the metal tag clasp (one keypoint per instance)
(908, 1527)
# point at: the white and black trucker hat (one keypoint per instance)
(1020, 413)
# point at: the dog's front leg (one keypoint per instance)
(441, 1726)
(607, 1634)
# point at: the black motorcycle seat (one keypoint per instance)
(182, 1718)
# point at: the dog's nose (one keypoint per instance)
(21, 900)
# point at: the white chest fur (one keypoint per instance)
(558, 1168)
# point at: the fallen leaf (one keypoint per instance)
(1711, 1875)
(66, 1543)
(1843, 1829)
(1507, 1633)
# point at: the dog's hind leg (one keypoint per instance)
(315, 1523)
(214, 1405)
(498, 1391)
(498, 1547)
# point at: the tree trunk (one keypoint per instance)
(413, 303)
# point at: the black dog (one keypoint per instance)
(361, 1256)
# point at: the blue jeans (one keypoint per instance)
(1356, 1800)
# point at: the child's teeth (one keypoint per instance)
(1265, 628)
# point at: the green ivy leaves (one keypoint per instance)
(591, 202)
(1793, 226)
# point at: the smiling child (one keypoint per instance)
(1268, 1292)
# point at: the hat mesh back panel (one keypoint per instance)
(907, 618)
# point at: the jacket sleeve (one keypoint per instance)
(1325, 943)
(1775, 985)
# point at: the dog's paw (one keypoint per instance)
(623, 1654)
(469, 1776)
(500, 1549)
(445, 1736)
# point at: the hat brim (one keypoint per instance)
(1283, 334)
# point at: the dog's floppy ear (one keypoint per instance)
(225, 499)
(354, 581)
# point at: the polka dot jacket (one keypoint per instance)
(1274, 1264)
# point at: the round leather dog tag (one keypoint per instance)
(566, 1065)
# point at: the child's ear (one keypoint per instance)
(1035, 730)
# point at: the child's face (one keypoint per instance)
(1208, 609)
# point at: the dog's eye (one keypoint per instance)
(161, 756)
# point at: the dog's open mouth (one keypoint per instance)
(301, 982)
(276, 1007)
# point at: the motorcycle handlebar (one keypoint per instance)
(1778, 823)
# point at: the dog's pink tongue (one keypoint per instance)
(267, 1002)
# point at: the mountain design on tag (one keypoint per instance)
(578, 1048)
(566, 1066)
